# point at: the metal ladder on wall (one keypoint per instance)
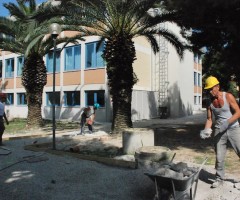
(163, 76)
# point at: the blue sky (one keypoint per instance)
(4, 12)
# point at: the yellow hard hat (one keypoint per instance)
(211, 81)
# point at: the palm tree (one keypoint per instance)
(118, 22)
(27, 37)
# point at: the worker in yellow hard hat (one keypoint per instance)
(211, 82)
(226, 126)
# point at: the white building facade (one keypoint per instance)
(81, 80)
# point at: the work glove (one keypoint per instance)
(206, 133)
(224, 126)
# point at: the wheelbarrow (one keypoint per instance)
(178, 188)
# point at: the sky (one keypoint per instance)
(4, 12)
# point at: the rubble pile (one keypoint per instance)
(178, 171)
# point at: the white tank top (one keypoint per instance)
(223, 113)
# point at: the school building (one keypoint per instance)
(167, 86)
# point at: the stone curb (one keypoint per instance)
(25, 136)
(104, 160)
(35, 136)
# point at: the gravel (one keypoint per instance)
(62, 177)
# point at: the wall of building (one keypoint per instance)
(177, 92)
(144, 105)
(145, 97)
(181, 89)
(142, 65)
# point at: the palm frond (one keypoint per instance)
(174, 40)
(14, 10)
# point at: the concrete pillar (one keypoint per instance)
(134, 138)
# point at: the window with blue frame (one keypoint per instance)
(73, 58)
(49, 58)
(9, 67)
(10, 99)
(195, 78)
(96, 96)
(0, 68)
(49, 100)
(21, 99)
(196, 58)
(72, 98)
(199, 80)
(94, 56)
(20, 61)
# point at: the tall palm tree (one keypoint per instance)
(27, 37)
(118, 22)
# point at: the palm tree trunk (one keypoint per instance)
(121, 91)
(34, 119)
(34, 78)
(121, 114)
(120, 55)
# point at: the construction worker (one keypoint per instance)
(88, 118)
(226, 126)
(2, 115)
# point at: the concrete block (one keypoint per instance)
(135, 138)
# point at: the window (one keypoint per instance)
(94, 56)
(73, 58)
(72, 98)
(21, 99)
(93, 97)
(195, 58)
(0, 68)
(199, 79)
(10, 99)
(50, 98)
(9, 68)
(199, 100)
(195, 78)
(20, 61)
(50, 61)
(195, 100)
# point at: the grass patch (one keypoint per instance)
(15, 126)
(210, 161)
(18, 125)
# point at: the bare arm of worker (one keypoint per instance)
(208, 123)
(5, 117)
(233, 104)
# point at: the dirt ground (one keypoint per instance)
(184, 140)
(181, 136)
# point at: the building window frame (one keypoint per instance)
(49, 98)
(10, 99)
(93, 56)
(21, 99)
(72, 58)
(95, 96)
(72, 98)
(1, 67)
(9, 68)
(195, 76)
(20, 63)
(49, 61)
(199, 80)
(195, 100)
